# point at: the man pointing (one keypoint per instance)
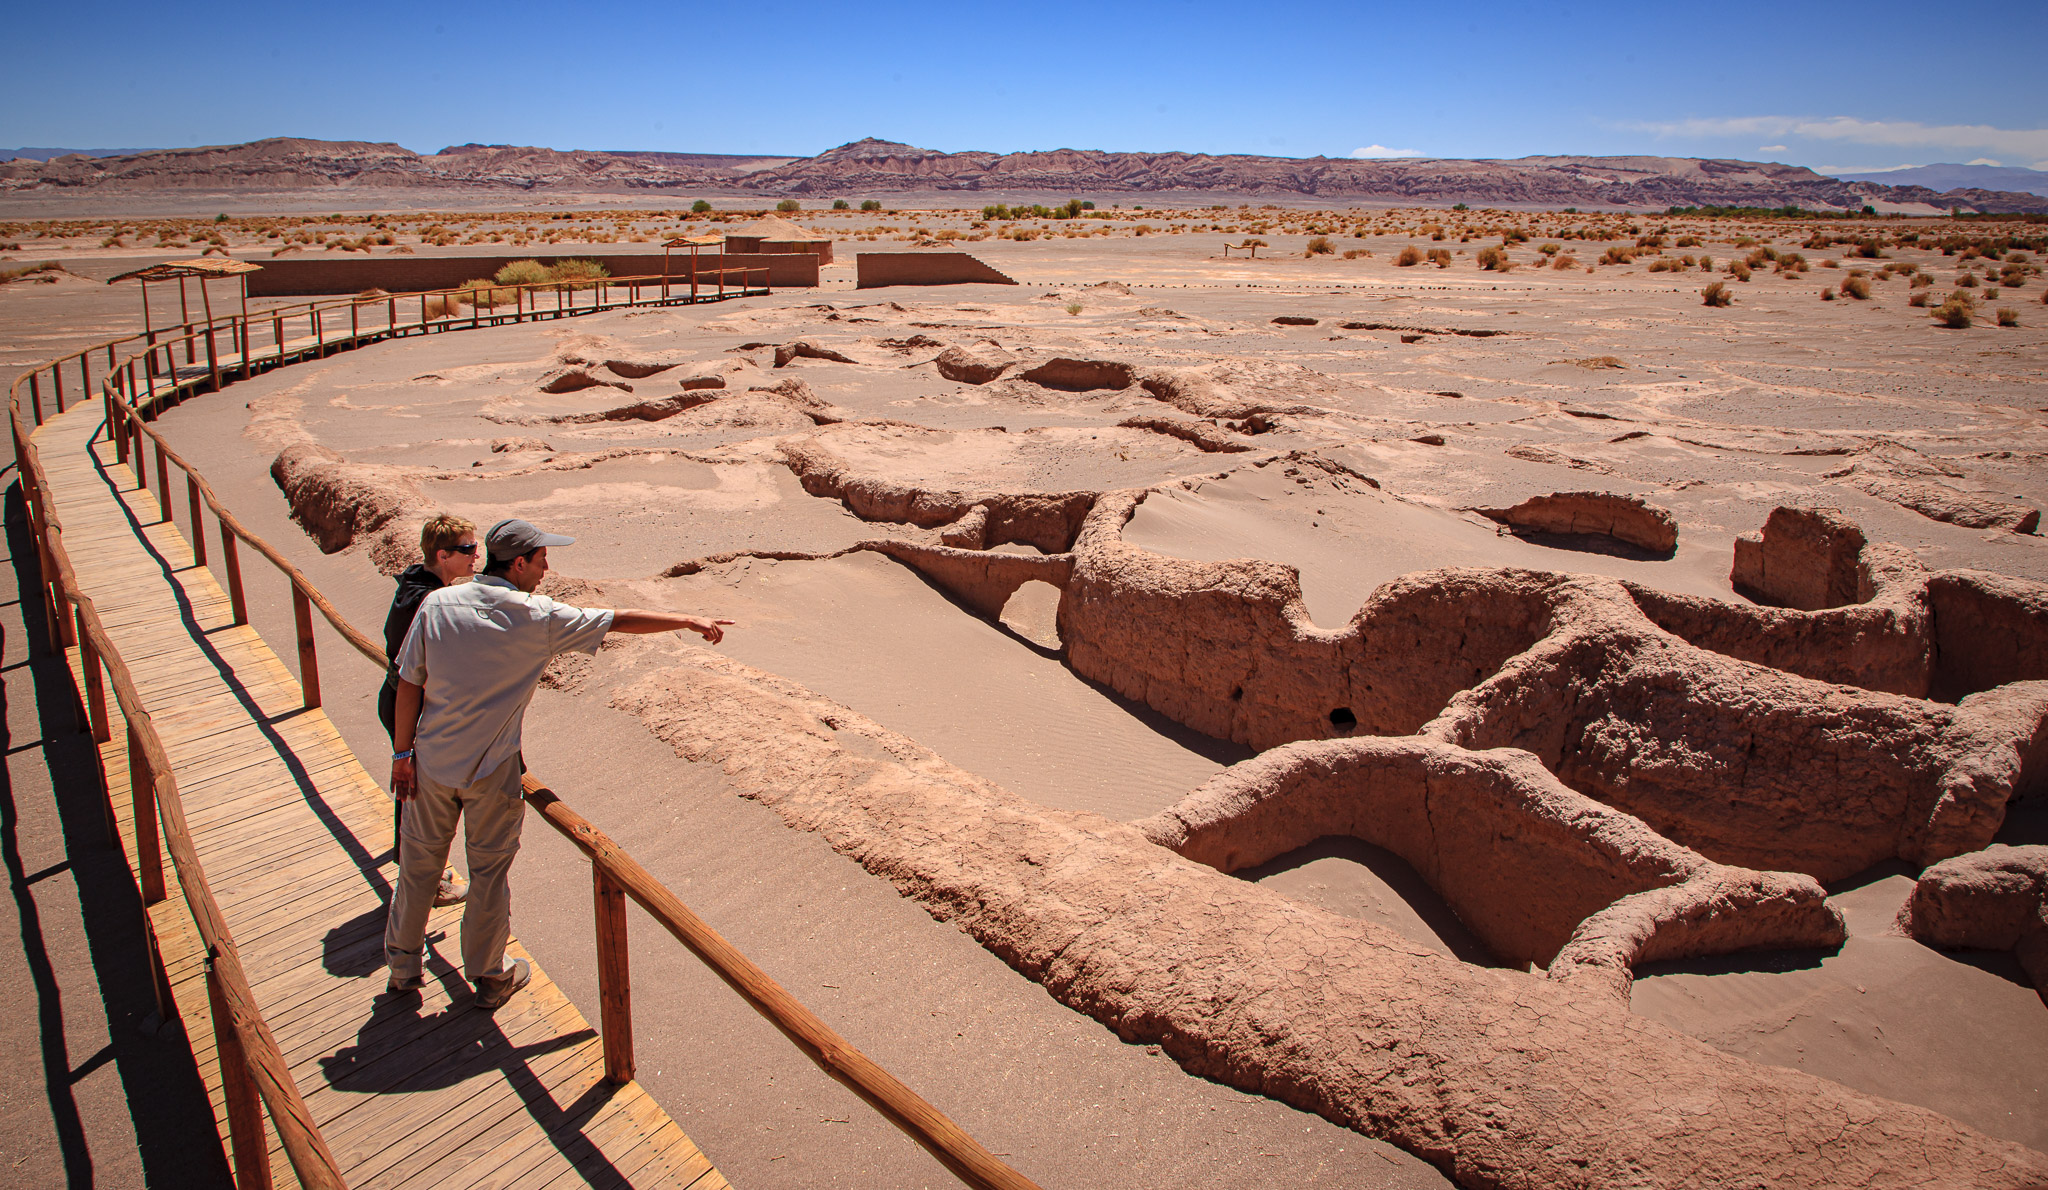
(467, 669)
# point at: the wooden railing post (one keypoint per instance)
(57, 382)
(163, 482)
(232, 563)
(614, 979)
(198, 526)
(245, 1110)
(309, 664)
(212, 357)
(35, 394)
(149, 852)
(95, 689)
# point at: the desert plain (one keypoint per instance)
(1299, 718)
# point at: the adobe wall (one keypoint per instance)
(875, 269)
(289, 277)
(822, 249)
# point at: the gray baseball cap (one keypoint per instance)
(509, 539)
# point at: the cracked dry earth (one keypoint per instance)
(1523, 748)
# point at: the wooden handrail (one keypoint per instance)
(263, 1061)
(243, 1039)
(884, 1092)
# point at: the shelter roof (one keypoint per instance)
(693, 241)
(171, 270)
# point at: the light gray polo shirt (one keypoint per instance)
(478, 649)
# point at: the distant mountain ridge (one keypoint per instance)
(1949, 176)
(872, 166)
(46, 154)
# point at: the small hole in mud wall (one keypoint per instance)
(1342, 719)
(1033, 613)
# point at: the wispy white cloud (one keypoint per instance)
(1384, 151)
(2029, 143)
(1983, 161)
(1770, 148)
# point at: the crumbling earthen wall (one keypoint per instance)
(873, 270)
(1994, 899)
(1500, 1078)
(1988, 630)
(1521, 859)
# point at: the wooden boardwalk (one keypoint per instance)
(295, 839)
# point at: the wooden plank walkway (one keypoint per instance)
(294, 836)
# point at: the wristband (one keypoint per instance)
(405, 755)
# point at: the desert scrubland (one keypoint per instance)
(1519, 698)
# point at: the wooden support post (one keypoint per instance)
(163, 482)
(245, 1111)
(212, 348)
(355, 329)
(277, 333)
(391, 316)
(185, 316)
(149, 852)
(95, 683)
(137, 462)
(84, 375)
(614, 980)
(35, 393)
(198, 526)
(57, 382)
(319, 336)
(309, 664)
(231, 563)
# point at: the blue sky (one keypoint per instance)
(1837, 87)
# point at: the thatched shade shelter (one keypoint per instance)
(694, 244)
(205, 269)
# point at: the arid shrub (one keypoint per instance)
(579, 274)
(2007, 316)
(1618, 255)
(840, 204)
(1440, 257)
(1565, 260)
(700, 207)
(1922, 280)
(1738, 270)
(789, 204)
(522, 272)
(488, 294)
(1716, 294)
(1918, 299)
(441, 305)
(1492, 258)
(1355, 253)
(1857, 287)
(1830, 264)
(1967, 281)
(1706, 264)
(1318, 246)
(1073, 307)
(1827, 295)
(1954, 314)
(1410, 256)
(870, 204)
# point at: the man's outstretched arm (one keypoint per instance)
(643, 622)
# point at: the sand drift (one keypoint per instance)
(1592, 771)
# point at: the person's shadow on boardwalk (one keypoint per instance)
(408, 1048)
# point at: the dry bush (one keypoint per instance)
(1738, 270)
(1318, 246)
(440, 305)
(1618, 255)
(1410, 256)
(1918, 299)
(1827, 295)
(1355, 253)
(1922, 280)
(372, 294)
(1955, 313)
(579, 274)
(522, 272)
(1594, 363)
(1967, 280)
(1440, 257)
(1550, 249)
(1688, 241)
(1493, 258)
(487, 294)
(1716, 294)
(1565, 260)
(2007, 316)
(1857, 287)
(1706, 264)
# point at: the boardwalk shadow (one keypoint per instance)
(403, 1049)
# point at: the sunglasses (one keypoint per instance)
(463, 549)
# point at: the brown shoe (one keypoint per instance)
(491, 994)
(453, 889)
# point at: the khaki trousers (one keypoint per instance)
(491, 811)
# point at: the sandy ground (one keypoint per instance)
(1717, 415)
